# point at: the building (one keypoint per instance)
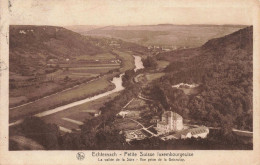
(134, 135)
(171, 121)
(201, 132)
(127, 113)
(123, 113)
(155, 119)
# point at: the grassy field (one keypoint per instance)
(32, 91)
(161, 64)
(149, 77)
(190, 91)
(75, 75)
(93, 69)
(15, 100)
(136, 104)
(82, 91)
(102, 56)
(152, 76)
(127, 61)
(16, 76)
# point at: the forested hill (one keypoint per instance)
(232, 51)
(31, 45)
(241, 39)
(224, 68)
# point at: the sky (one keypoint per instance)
(128, 12)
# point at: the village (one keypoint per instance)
(156, 49)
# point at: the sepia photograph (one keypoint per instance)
(142, 87)
(128, 76)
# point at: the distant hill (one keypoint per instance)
(81, 28)
(224, 68)
(31, 46)
(176, 36)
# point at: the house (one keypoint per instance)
(150, 47)
(166, 48)
(52, 61)
(201, 132)
(171, 121)
(123, 113)
(128, 113)
(114, 44)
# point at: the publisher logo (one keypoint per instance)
(80, 155)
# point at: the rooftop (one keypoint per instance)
(195, 131)
(170, 113)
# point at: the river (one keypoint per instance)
(118, 87)
(138, 63)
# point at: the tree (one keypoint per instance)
(66, 78)
(149, 62)
(45, 134)
(72, 141)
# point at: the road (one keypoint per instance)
(141, 97)
(128, 103)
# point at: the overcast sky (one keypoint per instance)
(128, 12)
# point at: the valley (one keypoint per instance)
(118, 96)
(164, 36)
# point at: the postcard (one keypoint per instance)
(129, 82)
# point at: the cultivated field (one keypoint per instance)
(80, 92)
(101, 56)
(65, 75)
